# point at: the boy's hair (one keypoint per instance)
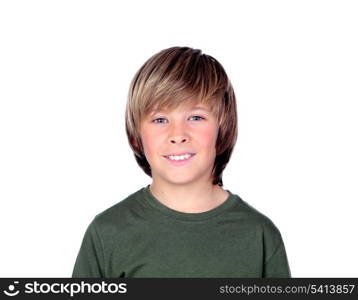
(174, 76)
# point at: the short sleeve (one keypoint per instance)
(90, 259)
(277, 265)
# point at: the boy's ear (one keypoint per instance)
(134, 142)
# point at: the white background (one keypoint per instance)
(65, 68)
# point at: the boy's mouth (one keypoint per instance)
(180, 159)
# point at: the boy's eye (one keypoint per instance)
(158, 119)
(165, 119)
(198, 117)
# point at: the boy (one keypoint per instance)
(181, 123)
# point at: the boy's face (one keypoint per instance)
(186, 129)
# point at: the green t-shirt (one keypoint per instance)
(141, 237)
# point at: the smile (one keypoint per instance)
(180, 159)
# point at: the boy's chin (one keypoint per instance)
(180, 181)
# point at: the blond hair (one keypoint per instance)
(170, 78)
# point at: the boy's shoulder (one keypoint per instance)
(255, 219)
(122, 211)
(251, 213)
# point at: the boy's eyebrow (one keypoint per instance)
(200, 107)
(193, 108)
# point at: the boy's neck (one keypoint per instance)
(189, 199)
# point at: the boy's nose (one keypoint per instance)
(178, 139)
(178, 133)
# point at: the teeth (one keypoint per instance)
(180, 157)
